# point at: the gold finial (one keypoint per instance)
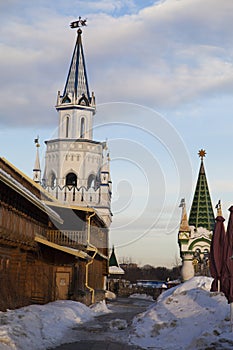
(202, 153)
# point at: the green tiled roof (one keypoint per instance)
(113, 259)
(201, 214)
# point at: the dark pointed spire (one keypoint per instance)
(202, 214)
(77, 84)
(113, 260)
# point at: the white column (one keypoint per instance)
(187, 270)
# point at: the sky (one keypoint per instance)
(162, 74)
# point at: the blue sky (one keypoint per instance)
(162, 73)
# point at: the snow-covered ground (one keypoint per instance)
(186, 317)
(141, 296)
(38, 327)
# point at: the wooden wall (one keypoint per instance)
(31, 272)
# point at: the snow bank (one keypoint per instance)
(188, 316)
(110, 295)
(41, 326)
(100, 308)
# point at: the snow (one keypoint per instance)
(187, 316)
(141, 296)
(116, 270)
(110, 295)
(42, 326)
(100, 308)
(118, 324)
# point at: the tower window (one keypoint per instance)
(91, 182)
(67, 126)
(52, 180)
(82, 128)
(71, 179)
(66, 99)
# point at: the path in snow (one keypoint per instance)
(109, 331)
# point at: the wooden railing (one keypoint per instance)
(18, 228)
(67, 238)
(74, 239)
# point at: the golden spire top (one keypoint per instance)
(202, 153)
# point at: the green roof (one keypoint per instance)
(202, 214)
(113, 259)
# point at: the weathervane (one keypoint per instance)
(202, 153)
(80, 23)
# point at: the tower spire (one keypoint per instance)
(37, 169)
(113, 260)
(184, 226)
(76, 85)
(201, 214)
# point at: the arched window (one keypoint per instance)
(66, 99)
(71, 179)
(82, 128)
(67, 126)
(91, 182)
(52, 179)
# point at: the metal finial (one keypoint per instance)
(182, 203)
(80, 23)
(202, 153)
(37, 141)
(219, 208)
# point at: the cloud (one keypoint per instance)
(168, 54)
(164, 55)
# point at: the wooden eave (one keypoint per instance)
(72, 251)
(31, 198)
(39, 191)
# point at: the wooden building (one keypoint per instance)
(43, 255)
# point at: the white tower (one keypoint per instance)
(74, 162)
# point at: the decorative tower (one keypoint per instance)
(195, 235)
(75, 164)
(115, 271)
(37, 170)
(201, 214)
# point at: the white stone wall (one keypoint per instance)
(70, 123)
(199, 238)
(66, 156)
